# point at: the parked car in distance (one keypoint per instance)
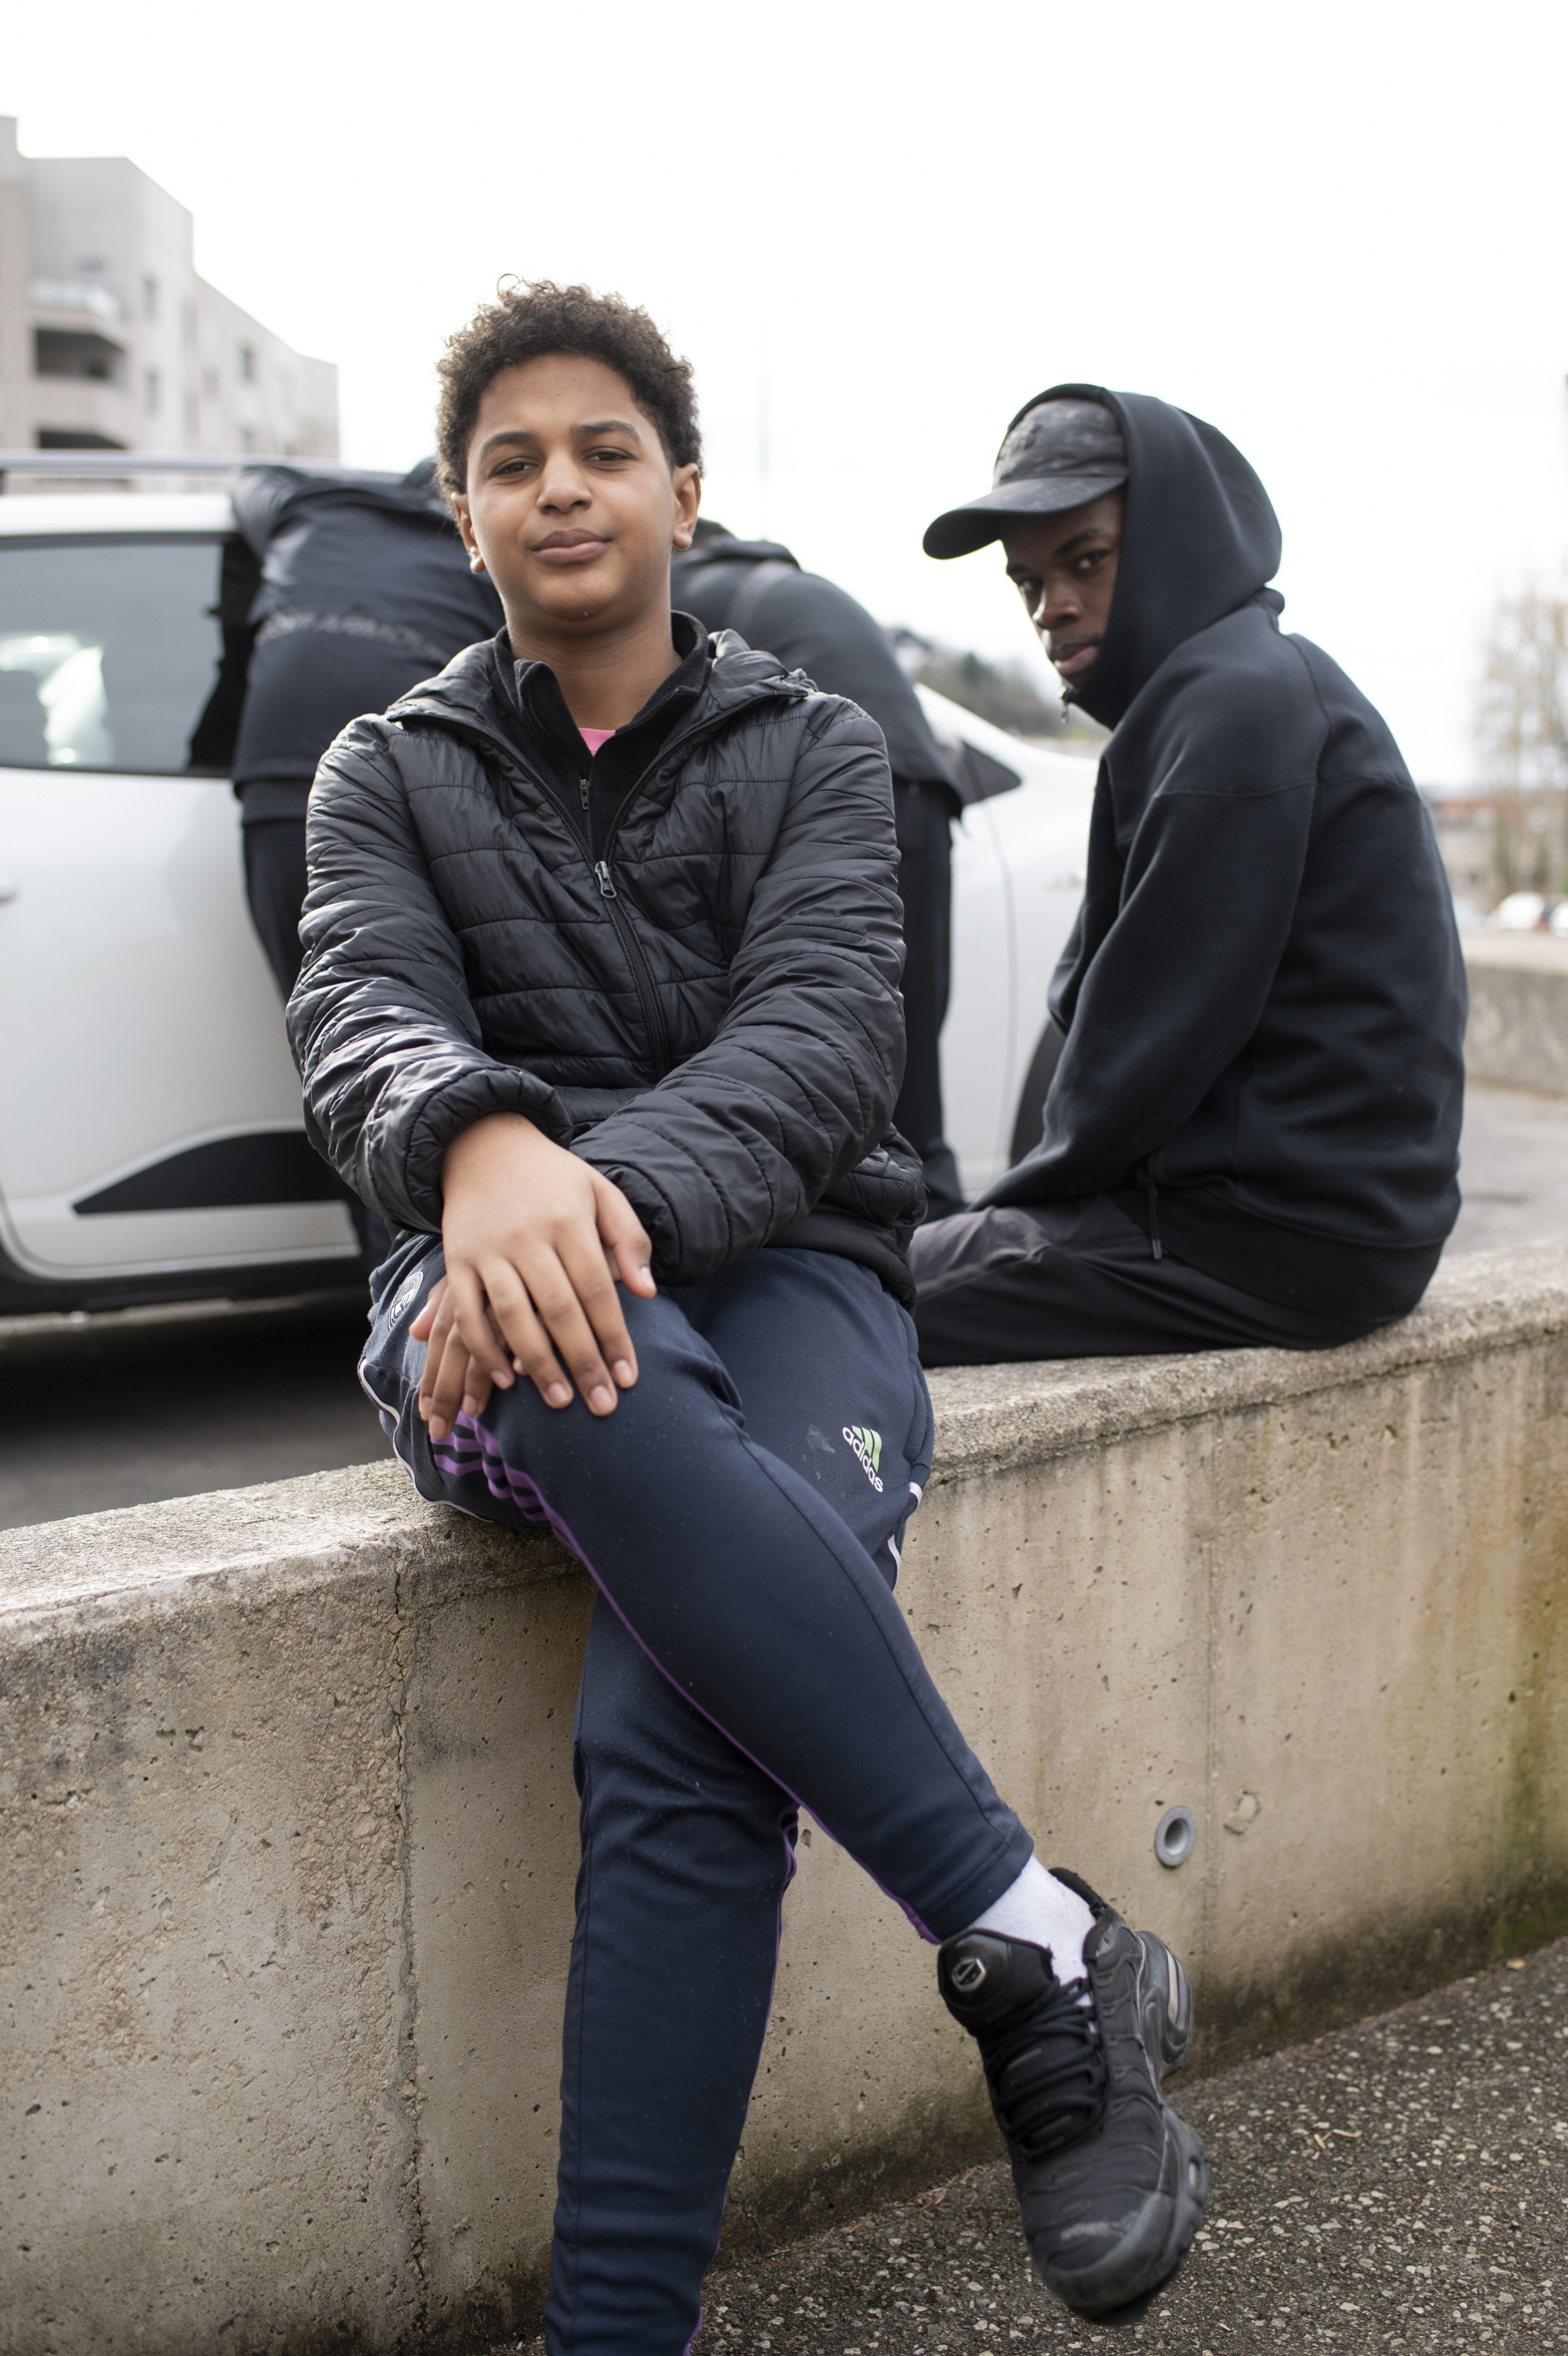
(152, 1146)
(1526, 912)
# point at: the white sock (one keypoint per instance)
(1041, 1909)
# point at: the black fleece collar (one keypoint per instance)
(466, 695)
(533, 712)
(533, 688)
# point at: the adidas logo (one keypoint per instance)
(866, 1445)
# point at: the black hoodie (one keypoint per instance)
(365, 591)
(812, 625)
(1263, 995)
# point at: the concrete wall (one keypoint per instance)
(1518, 1032)
(288, 1825)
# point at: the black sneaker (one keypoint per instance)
(1112, 2185)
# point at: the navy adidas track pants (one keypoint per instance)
(741, 1513)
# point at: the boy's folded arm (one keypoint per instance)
(798, 1084)
(380, 1021)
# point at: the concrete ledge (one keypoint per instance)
(1518, 1032)
(289, 1831)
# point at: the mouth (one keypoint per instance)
(1075, 657)
(571, 547)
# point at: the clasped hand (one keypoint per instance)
(536, 1240)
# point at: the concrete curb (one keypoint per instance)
(285, 1883)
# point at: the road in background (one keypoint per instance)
(139, 1404)
(143, 1404)
(1514, 1169)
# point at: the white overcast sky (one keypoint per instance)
(1337, 230)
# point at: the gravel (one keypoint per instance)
(1402, 2183)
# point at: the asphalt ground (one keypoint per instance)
(133, 1405)
(136, 1405)
(1398, 2185)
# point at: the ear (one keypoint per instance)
(688, 499)
(465, 524)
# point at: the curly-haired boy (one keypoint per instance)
(602, 989)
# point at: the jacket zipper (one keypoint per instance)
(648, 995)
(653, 1011)
(648, 998)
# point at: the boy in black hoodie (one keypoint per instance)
(1252, 1132)
(599, 1009)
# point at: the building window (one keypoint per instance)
(209, 385)
(247, 363)
(153, 391)
(150, 299)
(248, 439)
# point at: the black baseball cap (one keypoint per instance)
(1058, 453)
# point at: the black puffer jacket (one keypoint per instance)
(711, 1018)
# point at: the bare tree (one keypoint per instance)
(1521, 732)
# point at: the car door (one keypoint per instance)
(150, 1117)
(1017, 878)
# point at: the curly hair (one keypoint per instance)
(530, 320)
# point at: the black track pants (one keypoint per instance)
(741, 1513)
(1080, 1280)
(275, 891)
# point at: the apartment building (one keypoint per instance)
(109, 340)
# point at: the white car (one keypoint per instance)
(1018, 878)
(150, 1140)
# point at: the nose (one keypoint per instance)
(1057, 605)
(564, 486)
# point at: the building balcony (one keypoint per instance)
(78, 299)
(100, 416)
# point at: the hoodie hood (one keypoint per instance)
(738, 551)
(1200, 540)
(268, 499)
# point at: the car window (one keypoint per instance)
(121, 653)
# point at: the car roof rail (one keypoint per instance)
(114, 464)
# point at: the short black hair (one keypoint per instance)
(530, 320)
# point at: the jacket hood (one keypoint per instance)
(461, 694)
(1200, 540)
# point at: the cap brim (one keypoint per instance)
(965, 528)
